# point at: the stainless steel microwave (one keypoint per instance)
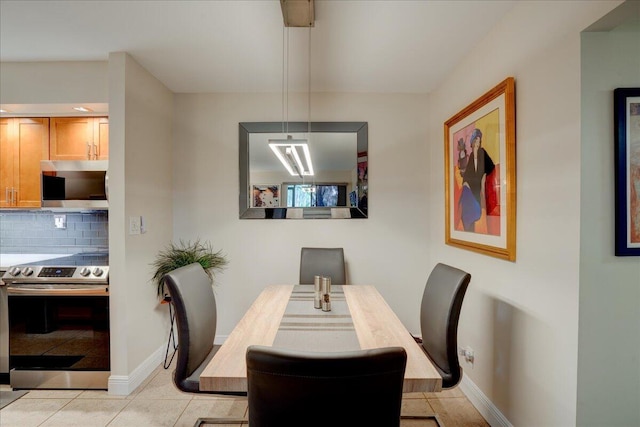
(80, 184)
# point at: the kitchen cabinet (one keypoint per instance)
(79, 138)
(23, 143)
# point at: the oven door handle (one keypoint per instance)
(27, 291)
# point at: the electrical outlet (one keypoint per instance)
(60, 221)
(134, 225)
(469, 355)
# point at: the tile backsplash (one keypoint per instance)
(35, 232)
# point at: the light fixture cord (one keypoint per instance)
(309, 93)
(283, 71)
(287, 80)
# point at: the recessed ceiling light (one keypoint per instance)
(4, 111)
(82, 109)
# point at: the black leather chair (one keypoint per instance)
(439, 314)
(341, 389)
(322, 262)
(195, 310)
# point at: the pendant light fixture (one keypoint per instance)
(293, 153)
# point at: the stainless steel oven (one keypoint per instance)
(59, 323)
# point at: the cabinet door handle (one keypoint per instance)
(14, 197)
(6, 195)
(95, 151)
(88, 151)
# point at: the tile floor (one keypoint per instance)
(158, 403)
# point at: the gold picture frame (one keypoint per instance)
(480, 174)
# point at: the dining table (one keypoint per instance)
(285, 316)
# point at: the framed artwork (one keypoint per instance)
(480, 174)
(626, 116)
(266, 196)
(363, 181)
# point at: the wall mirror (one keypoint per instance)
(302, 170)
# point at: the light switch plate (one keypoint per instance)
(134, 225)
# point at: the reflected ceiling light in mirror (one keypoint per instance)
(289, 151)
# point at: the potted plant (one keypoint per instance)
(181, 254)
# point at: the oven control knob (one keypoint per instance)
(27, 271)
(14, 271)
(84, 271)
(97, 272)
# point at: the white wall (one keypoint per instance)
(140, 172)
(521, 317)
(609, 335)
(54, 82)
(263, 252)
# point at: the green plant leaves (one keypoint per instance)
(185, 253)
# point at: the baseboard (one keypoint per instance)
(220, 339)
(123, 385)
(482, 403)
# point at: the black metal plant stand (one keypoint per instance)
(172, 336)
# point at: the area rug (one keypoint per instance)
(7, 397)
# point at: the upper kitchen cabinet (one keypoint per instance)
(23, 143)
(79, 138)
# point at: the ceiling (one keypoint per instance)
(237, 46)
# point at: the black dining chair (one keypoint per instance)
(289, 388)
(328, 262)
(195, 314)
(439, 314)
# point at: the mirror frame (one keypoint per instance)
(247, 128)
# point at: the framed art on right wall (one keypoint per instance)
(626, 117)
(480, 174)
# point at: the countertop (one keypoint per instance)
(8, 260)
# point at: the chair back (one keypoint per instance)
(327, 262)
(439, 314)
(289, 388)
(195, 309)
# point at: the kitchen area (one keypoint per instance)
(54, 252)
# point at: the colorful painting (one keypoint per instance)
(266, 196)
(363, 182)
(480, 174)
(627, 165)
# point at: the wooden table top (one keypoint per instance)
(376, 325)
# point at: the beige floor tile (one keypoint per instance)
(451, 392)
(52, 394)
(419, 423)
(157, 402)
(30, 412)
(99, 394)
(416, 407)
(145, 383)
(416, 395)
(457, 412)
(86, 413)
(157, 413)
(219, 408)
(161, 387)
